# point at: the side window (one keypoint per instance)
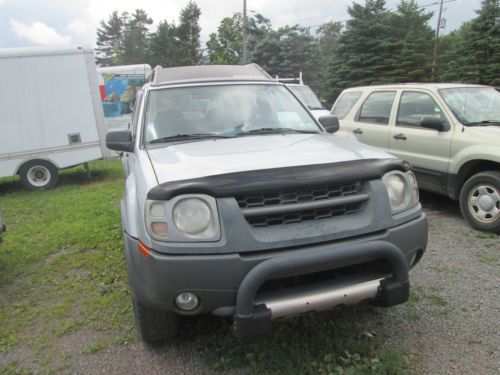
(135, 116)
(344, 104)
(414, 106)
(377, 107)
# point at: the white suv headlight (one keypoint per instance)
(192, 216)
(402, 190)
(185, 218)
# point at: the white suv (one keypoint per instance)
(239, 203)
(449, 132)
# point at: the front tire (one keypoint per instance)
(480, 201)
(38, 175)
(155, 326)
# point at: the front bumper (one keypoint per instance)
(230, 281)
(253, 318)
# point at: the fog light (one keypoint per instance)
(187, 301)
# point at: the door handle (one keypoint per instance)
(400, 136)
(357, 131)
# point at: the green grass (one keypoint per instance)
(94, 347)
(63, 277)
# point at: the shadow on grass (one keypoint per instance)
(99, 170)
(330, 342)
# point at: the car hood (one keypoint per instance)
(181, 161)
(485, 131)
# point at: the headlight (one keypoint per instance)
(402, 190)
(185, 218)
(192, 216)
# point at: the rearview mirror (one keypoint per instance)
(120, 140)
(330, 123)
(433, 123)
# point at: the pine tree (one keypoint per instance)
(135, 38)
(177, 45)
(188, 34)
(226, 45)
(453, 60)
(381, 46)
(164, 46)
(109, 39)
(368, 50)
(328, 35)
(415, 59)
(289, 50)
(483, 43)
(472, 53)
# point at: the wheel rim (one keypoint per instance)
(484, 203)
(38, 175)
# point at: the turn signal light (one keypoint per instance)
(144, 250)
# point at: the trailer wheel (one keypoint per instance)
(38, 175)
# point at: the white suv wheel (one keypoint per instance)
(480, 201)
(484, 203)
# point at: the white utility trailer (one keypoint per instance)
(51, 115)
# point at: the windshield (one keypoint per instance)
(344, 104)
(223, 111)
(473, 105)
(307, 96)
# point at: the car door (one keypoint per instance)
(371, 121)
(428, 150)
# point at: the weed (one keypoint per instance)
(94, 347)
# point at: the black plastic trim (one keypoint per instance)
(268, 180)
(280, 209)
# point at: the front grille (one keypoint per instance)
(297, 205)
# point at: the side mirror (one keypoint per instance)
(330, 123)
(120, 140)
(433, 123)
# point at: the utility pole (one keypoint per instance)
(245, 52)
(436, 42)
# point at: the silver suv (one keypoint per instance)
(239, 203)
(450, 133)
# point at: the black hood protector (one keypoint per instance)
(270, 180)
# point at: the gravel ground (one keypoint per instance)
(453, 324)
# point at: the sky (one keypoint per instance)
(74, 22)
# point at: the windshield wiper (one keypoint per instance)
(182, 137)
(312, 108)
(483, 123)
(276, 131)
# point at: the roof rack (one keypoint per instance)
(207, 73)
(151, 76)
(294, 79)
